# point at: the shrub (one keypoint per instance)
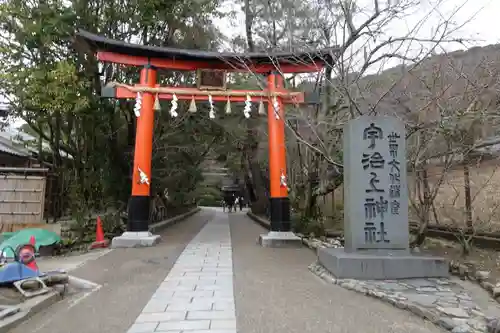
(308, 226)
(209, 200)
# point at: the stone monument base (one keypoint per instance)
(280, 239)
(135, 239)
(381, 264)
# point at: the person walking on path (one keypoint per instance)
(236, 202)
(229, 202)
(240, 201)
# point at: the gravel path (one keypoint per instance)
(129, 277)
(275, 292)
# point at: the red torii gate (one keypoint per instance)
(150, 58)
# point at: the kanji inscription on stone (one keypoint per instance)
(375, 187)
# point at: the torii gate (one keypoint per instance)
(148, 92)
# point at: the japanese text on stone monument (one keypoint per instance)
(377, 183)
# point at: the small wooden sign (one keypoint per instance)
(211, 79)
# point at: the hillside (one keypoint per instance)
(458, 89)
(450, 80)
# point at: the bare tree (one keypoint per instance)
(366, 44)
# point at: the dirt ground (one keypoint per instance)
(449, 202)
(485, 192)
(484, 260)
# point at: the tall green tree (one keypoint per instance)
(54, 84)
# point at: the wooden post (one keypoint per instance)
(279, 202)
(139, 205)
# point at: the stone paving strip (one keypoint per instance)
(440, 301)
(197, 295)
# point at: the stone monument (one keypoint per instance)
(376, 228)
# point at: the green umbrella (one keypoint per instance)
(42, 238)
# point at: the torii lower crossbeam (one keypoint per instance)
(122, 91)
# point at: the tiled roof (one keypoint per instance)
(9, 148)
(17, 140)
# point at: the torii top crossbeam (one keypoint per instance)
(110, 50)
(148, 93)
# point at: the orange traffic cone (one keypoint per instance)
(100, 242)
(27, 254)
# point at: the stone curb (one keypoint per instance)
(82, 284)
(37, 304)
(482, 278)
(455, 326)
(170, 222)
(29, 308)
(266, 224)
(263, 222)
(462, 271)
(482, 324)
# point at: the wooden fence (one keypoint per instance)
(22, 197)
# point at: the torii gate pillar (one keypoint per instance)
(280, 234)
(137, 233)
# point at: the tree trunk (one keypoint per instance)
(251, 146)
(248, 26)
(467, 193)
(425, 207)
(259, 188)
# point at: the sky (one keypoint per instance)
(479, 19)
(484, 23)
